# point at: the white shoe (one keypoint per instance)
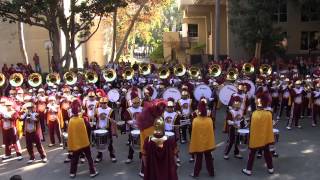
(226, 157)
(72, 176)
(314, 125)
(44, 160)
(82, 160)
(19, 158)
(60, 144)
(246, 172)
(289, 128)
(94, 174)
(6, 157)
(30, 161)
(128, 161)
(51, 145)
(178, 160)
(113, 160)
(238, 156)
(299, 127)
(271, 171)
(191, 160)
(141, 174)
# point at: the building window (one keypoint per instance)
(310, 12)
(192, 30)
(310, 40)
(280, 13)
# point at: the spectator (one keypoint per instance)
(86, 63)
(16, 177)
(36, 61)
(5, 69)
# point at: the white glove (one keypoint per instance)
(231, 123)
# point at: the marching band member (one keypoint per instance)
(316, 104)
(150, 113)
(261, 134)
(33, 133)
(297, 94)
(233, 123)
(90, 105)
(41, 110)
(285, 98)
(130, 116)
(65, 103)
(9, 130)
(105, 118)
(78, 140)
(202, 140)
(54, 120)
(274, 90)
(158, 154)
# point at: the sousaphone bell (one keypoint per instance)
(35, 80)
(2, 79)
(145, 69)
(163, 73)
(128, 73)
(16, 79)
(215, 70)
(70, 78)
(53, 79)
(109, 75)
(91, 77)
(179, 70)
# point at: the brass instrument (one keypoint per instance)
(194, 72)
(91, 77)
(16, 79)
(35, 80)
(52, 79)
(179, 70)
(2, 79)
(247, 69)
(70, 78)
(232, 74)
(128, 73)
(145, 69)
(265, 69)
(163, 73)
(215, 70)
(109, 75)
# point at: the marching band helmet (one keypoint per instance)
(103, 100)
(91, 94)
(236, 102)
(262, 100)
(298, 82)
(158, 128)
(135, 97)
(202, 107)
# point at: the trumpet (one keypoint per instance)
(16, 79)
(232, 74)
(2, 79)
(179, 70)
(70, 78)
(194, 72)
(145, 69)
(128, 73)
(215, 70)
(53, 78)
(109, 75)
(91, 77)
(247, 69)
(34, 80)
(164, 73)
(265, 69)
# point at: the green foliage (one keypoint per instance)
(251, 21)
(157, 53)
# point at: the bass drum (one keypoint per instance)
(226, 92)
(128, 95)
(202, 91)
(171, 92)
(252, 88)
(155, 92)
(113, 95)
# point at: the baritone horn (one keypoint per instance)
(109, 75)
(265, 69)
(179, 70)
(2, 79)
(247, 69)
(91, 77)
(16, 79)
(34, 80)
(145, 69)
(70, 78)
(232, 74)
(163, 73)
(128, 73)
(52, 79)
(215, 70)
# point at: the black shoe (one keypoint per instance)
(275, 154)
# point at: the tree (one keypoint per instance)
(50, 14)
(251, 21)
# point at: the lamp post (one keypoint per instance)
(48, 46)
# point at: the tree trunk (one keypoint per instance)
(114, 36)
(134, 19)
(55, 39)
(258, 51)
(22, 47)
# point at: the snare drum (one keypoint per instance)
(243, 136)
(101, 138)
(135, 136)
(65, 140)
(276, 135)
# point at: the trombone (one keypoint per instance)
(109, 75)
(52, 79)
(215, 70)
(91, 77)
(128, 73)
(16, 79)
(194, 72)
(34, 80)
(70, 78)
(163, 73)
(247, 69)
(265, 69)
(145, 69)
(232, 74)
(179, 70)
(2, 79)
